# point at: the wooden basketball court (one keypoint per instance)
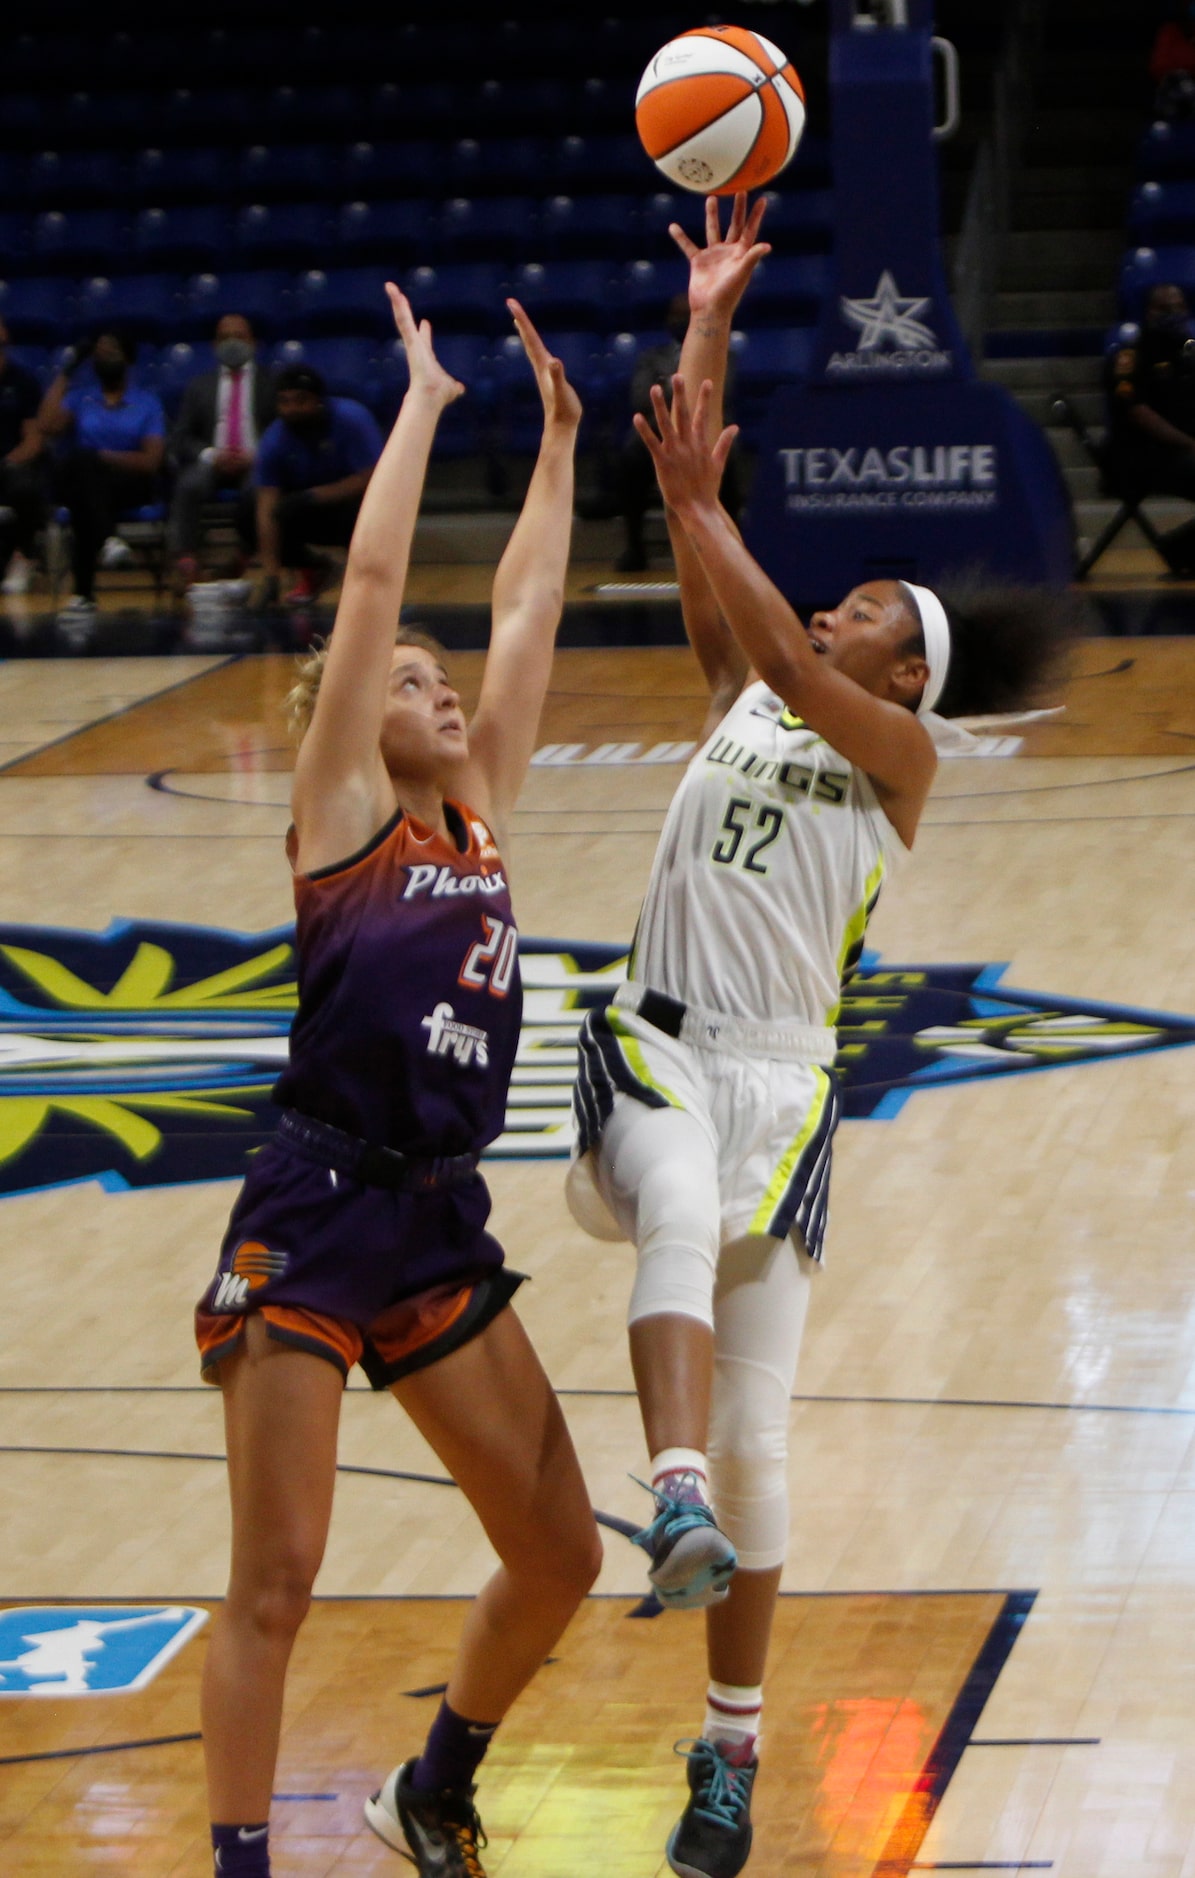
(984, 1657)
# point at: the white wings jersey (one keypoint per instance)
(771, 858)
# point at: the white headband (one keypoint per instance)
(935, 630)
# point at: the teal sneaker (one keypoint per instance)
(712, 1838)
(692, 1562)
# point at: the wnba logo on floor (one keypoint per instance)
(902, 476)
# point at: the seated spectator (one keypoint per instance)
(636, 476)
(115, 443)
(1151, 413)
(1172, 64)
(22, 469)
(312, 468)
(213, 443)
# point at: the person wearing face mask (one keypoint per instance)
(213, 442)
(115, 437)
(312, 468)
(22, 466)
(1151, 412)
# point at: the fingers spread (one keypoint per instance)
(688, 248)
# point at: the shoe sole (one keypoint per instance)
(386, 1826)
(694, 1871)
(699, 1567)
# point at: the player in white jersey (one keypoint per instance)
(706, 1100)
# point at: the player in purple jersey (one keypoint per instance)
(360, 1233)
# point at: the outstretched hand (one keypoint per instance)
(561, 403)
(427, 374)
(688, 467)
(719, 272)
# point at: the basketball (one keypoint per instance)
(720, 109)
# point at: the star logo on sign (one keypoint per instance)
(887, 316)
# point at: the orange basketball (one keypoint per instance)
(720, 109)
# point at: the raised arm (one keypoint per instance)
(718, 276)
(885, 739)
(342, 793)
(528, 599)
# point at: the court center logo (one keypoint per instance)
(60, 1650)
(894, 339)
(147, 1055)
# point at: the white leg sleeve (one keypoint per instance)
(759, 1315)
(657, 1172)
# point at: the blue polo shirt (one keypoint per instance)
(351, 443)
(123, 426)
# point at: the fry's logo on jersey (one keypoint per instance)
(440, 881)
(447, 1037)
(147, 1055)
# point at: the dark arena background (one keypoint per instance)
(970, 353)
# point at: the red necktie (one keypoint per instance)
(235, 431)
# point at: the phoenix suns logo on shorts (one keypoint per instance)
(146, 1055)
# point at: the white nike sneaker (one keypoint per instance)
(439, 1831)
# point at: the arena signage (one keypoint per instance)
(901, 476)
(894, 340)
(146, 1055)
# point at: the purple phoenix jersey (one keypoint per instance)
(409, 991)
(408, 1021)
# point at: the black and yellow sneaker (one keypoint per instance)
(439, 1831)
(712, 1838)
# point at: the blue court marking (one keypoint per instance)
(109, 717)
(105, 1747)
(947, 1751)
(304, 1796)
(164, 1454)
(1042, 1741)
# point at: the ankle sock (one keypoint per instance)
(455, 1750)
(733, 1714)
(241, 1851)
(669, 1467)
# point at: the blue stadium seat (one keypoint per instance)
(282, 172)
(789, 290)
(219, 114)
(1163, 212)
(61, 179)
(466, 427)
(392, 233)
(310, 113)
(40, 311)
(648, 286)
(263, 295)
(601, 162)
(351, 368)
(187, 237)
(461, 296)
(16, 241)
(591, 226)
(800, 220)
(516, 107)
(477, 166)
(174, 368)
(40, 360)
(282, 234)
(662, 208)
(372, 170)
(563, 293)
(486, 227)
(74, 240)
(764, 358)
(148, 306)
(344, 300)
(162, 175)
(1148, 267)
(1167, 150)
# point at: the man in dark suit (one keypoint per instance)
(213, 443)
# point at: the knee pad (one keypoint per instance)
(678, 1260)
(748, 1460)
